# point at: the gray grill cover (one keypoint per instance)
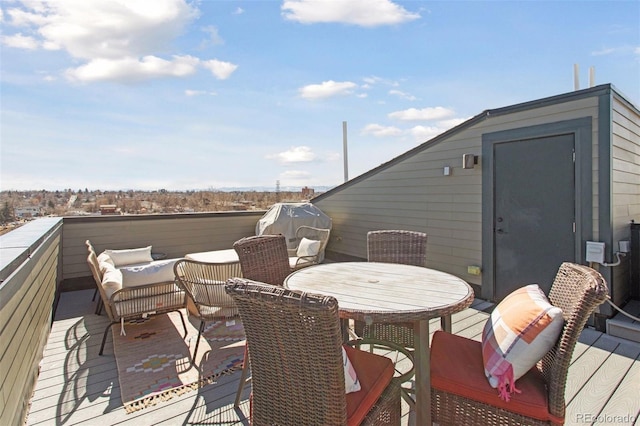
(285, 218)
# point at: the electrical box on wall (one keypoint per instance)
(595, 252)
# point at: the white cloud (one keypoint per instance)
(238, 11)
(129, 69)
(603, 52)
(381, 131)
(118, 40)
(214, 35)
(424, 133)
(105, 28)
(296, 154)
(294, 175)
(190, 92)
(372, 80)
(402, 95)
(365, 13)
(327, 89)
(20, 41)
(221, 70)
(425, 114)
(452, 122)
(620, 50)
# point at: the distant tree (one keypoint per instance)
(6, 214)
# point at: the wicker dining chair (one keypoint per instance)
(397, 246)
(394, 246)
(294, 341)
(263, 258)
(460, 392)
(204, 284)
(408, 248)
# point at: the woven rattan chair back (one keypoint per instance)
(264, 258)
(294, 341)
(397, 246)
(578, 290)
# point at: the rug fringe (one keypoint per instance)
(168, 394)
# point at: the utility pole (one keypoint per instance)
(344, 151)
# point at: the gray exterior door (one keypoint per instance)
(534, 211)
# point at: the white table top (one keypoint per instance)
(377, 291)
(215, 256)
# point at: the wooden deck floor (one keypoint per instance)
(76, 386)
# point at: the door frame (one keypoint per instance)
(581, 129)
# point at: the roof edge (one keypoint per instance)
(437, 139)
(601, 89)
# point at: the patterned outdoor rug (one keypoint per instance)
(154, 358)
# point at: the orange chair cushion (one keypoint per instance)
(457, 368)
(374, 373)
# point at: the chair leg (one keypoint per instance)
(99, 307)
(243, 377)
(184, 324)
(95, 293)
(200, 330)
(104, 337)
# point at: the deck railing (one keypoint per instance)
(30, 273)
(38, 257)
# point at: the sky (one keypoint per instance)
(212, 94)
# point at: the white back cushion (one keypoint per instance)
(130, 256)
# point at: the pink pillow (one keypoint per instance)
(521, 330)
(351, 383)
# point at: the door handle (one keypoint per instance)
(500, 231)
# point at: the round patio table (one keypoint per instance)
(388, 292)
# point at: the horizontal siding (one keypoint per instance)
(174, 235)
(625, 197)
(414, 194)
(26, 306)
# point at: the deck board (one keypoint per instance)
(76, 386)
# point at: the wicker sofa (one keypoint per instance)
(134, 290)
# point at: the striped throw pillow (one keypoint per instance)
(351, 383)
(521, 330)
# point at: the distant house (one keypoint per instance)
(514, 190)
(109, 209)
(307, 192)
(29, 211)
